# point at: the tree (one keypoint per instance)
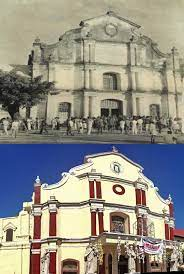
(21, 91)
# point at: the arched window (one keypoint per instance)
(70, 266)
(110, 81)
(119, 223)
(9, 235)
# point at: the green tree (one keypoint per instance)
(21, 91)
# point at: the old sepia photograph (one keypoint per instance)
(92, 71)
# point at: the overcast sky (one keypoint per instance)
(22, 20)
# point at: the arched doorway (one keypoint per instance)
(155, 110)
(70, 266)
(111, 107)
(64, 111)
(123, 265)
(109, 264)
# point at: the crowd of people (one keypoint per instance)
(135, 125)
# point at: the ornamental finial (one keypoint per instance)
(114, 149)
(37, 180)
(170, 198)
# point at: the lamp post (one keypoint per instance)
(173, 51)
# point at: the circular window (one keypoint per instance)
(118, 189)
(111, 29)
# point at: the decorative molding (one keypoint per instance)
(9, 226)
(118, 189)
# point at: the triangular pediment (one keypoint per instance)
(108, 27)
(109, 15)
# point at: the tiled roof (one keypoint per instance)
(179, 232)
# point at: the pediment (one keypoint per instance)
(109, 27)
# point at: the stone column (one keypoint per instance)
(86, 106)
(134, 109)
(114, 262)
(93, 222)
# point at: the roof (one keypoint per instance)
(179, 232)
(112, 14)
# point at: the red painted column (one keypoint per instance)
(101, 221)
(52, 224)
(93, 222)
(171, 233)
(143, 197)
(167, 234)
(91, 189)
(171, 209)
(98, 190)
(52, 265)
(145, 230)
(36, 245)
(102, 267)
(138, 196)
(139, 225)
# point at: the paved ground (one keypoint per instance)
(60, 137)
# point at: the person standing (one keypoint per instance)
(43, 127)
(139, 124)
(153, 132)
(134, 126)
(5, 126)
(122, 125)
(15, 128)
(89, 125)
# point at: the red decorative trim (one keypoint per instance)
(37, 227)
(93, 223)
(167, 232)
(35, 246)
(171, 233)
(52, 265)
(138, 196)
(35, 263)
(139, 226)
(143, 197)
(116, 190)
(98, 190)
(145, 231)
(91, 189)
(52, 224)
(171, 210)
(101, 222)
(37, 194)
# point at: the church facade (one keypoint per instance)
(107, 67)
(90, 222)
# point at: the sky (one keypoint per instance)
(21, 21)
(20, 164)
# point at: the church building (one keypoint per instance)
(106, 67)
(98, 214)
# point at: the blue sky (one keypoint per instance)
(20, 164)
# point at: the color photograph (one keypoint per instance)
(91, 209)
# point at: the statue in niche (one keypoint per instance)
(91, 257)
(174, 260)
(131, 259)
(45, 260)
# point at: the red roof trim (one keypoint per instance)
(179, 232)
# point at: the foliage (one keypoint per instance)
(21, 91)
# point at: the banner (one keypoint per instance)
(151, 247)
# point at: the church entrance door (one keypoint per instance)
(111, 107)
(123, 265)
